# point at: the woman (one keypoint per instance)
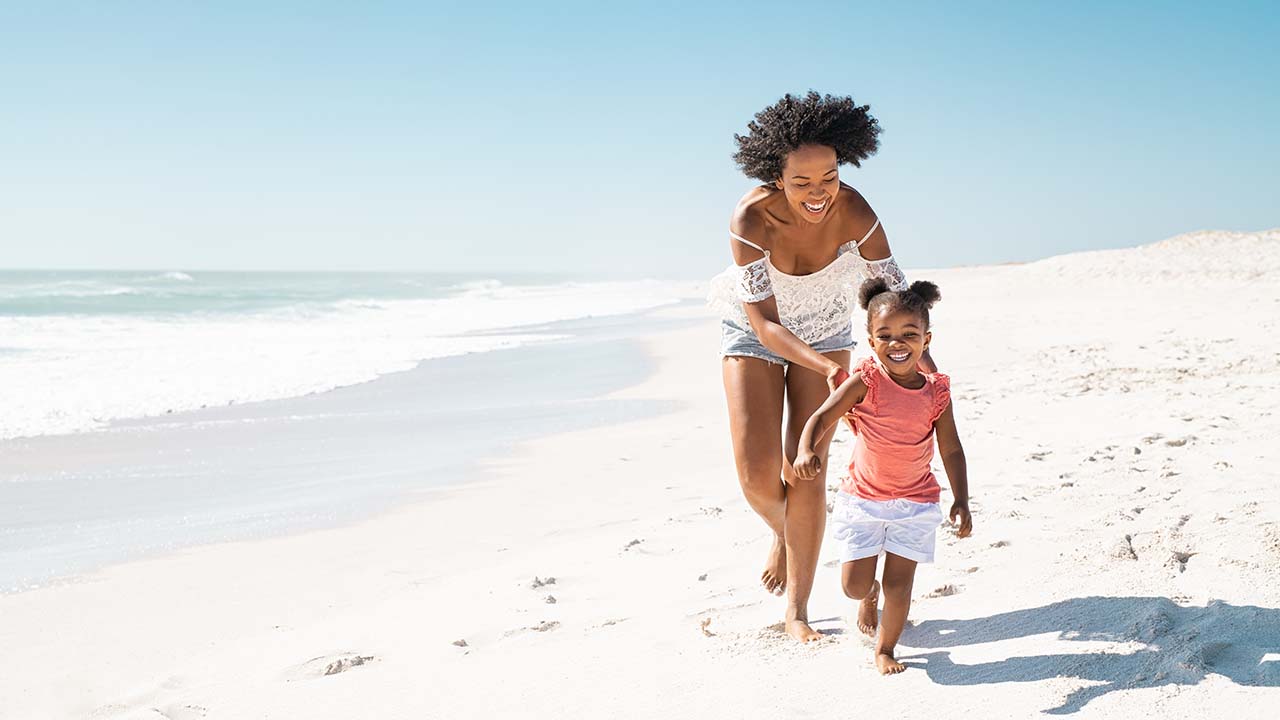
(802, 243)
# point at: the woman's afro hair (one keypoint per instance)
(814, 119)
(876, 297)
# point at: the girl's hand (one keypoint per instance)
(807, 465)
(961, 510)
(836, 376)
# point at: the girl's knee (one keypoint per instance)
(896, 585)
(857, 589)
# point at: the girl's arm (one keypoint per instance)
(807, 464)
(957, 472)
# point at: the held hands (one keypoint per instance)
(807, 465)
(836, 376)
(961, 510)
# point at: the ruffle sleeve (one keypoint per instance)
(754, 284)
(941, 394)
(889, 270)
(869, 369)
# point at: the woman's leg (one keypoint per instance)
(753, 389)
(806, 510)
(899, 575)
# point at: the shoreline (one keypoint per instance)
(146, 486)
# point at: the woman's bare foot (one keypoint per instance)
(868, 618)
(887, 665)
(800, 630)
(774, 577)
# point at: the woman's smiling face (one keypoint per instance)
(810, 179)
(899, 338)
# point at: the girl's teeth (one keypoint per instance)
(816, 208)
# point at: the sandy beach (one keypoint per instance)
(1119, 412)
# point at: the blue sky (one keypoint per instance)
(587, 138)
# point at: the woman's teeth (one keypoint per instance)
(815, 208)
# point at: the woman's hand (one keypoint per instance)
(836, 376)
(961, 510)
(807, 465)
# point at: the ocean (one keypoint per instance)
(147, 412)
(81, 349)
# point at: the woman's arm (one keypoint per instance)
(879, 256)
(957, 472)
(767, 326)
(926, 363)
(807, 464)
(763, 314)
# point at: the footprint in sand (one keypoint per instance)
(944, 591)
(1124, 549)
(539, 582)
(1179, 559)
(131, 712)
(1000, 544)
(544, 626)
(327, 665)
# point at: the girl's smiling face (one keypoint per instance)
(810, 179)
(899, 338)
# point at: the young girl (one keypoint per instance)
(889, 503)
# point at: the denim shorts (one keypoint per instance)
(737, 341)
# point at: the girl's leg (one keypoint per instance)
(899, 575)
(806, 511)
(858, 578)
(754, 390)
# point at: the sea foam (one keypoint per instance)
(73, 372)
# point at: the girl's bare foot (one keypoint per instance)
(774, 577)
(868, 618)
(887, 665)
(800, 630)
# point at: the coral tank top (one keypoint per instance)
(894, 442)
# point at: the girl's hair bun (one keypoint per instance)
(926, 291)
(872, 288)
(876, 297)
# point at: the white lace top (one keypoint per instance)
(813, 306)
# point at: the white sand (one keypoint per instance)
(1119, 414)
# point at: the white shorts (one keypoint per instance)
(865, 528)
